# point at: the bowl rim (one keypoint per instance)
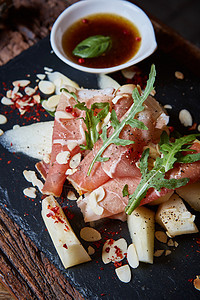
(131, 62)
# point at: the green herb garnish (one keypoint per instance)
(91, 121)
(129, 120)
(155, 178)
(93, 46)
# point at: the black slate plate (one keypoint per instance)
(169, 276)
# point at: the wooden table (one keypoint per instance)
(26, 272)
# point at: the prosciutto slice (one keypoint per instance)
(68, 134)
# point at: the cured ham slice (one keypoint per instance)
(122, 159)
(68, 134)
(113, 203)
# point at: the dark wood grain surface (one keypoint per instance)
(24, 270)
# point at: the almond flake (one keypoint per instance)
(105, 251)
(70, 171)
(132, 256)
(29, 91)
(159, 252)
(1, 132)
(129, 73)
(168, 252)
(196, 283)
(63, 157)
(9, 94)
(53, 101)
(185, 118)
(36, 98)
(167, 106)
(124, 273)
(45, 106)
(30, 192)
(97, 209)
(161, 236)
(6, 101)
(21, 83)
(179, 75)
(170, 243)
(30, 176)
(118, 250)
(48, 69)
(41, 76)
(91, 250)
(71, 145)
(75, 161)
(3, 119)
(175, 244)
(46, 87)
(71, 195)
(90, 234)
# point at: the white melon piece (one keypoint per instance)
(34, 140)
(162, 199)
(191, 194)
(175, 218)
(141, 227)
(69, 248)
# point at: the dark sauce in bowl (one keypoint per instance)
(126, 39)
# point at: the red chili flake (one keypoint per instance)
(65, 246)
(138, 38)
(59, 220)
(55, 209)
(8, 162)
(107, 250)
(68, 109)
(118, 264)
(110, 242)
(81, 60)
(102, 294)
(85, 21)
(99, 277)
(190, 280)
(50, 215)
(118, 252)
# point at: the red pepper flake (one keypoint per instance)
(118, 264)
(107, 250)
(118, 252)
(85, 21)
(138, 38)
(65, 246)
(102, 294)
(99, 277)
(55, 209)
(50, 215)
(81, 60)
(8, 162)
(110, 242)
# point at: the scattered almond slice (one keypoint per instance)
(124, 273)
(159, 252)
(97, 209)
(196, 283)
(63, 115)
(91, 250)
(170, 243)
(185, 118)
(90, 234)
(46, 87)
(3, 119)
(6, 101)
(70, 171)
(29, 91)
(41, 76)
(48, 69)
(161, 236)
(105, 251)
(175, 244)
(53, 101)
(46, 107)
(118, 250)
(1, 132)
(128, 73)
(30, 176)
(179, 75)
(167, 106)
(36, 98)
(30, 192)
(71, 195)
(21, 83)
(75, 161)
(71, 145)
(167, 252)
(132, 256)
(63, 157)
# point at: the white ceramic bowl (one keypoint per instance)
(84, 8)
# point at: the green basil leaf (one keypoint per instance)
(93, 46)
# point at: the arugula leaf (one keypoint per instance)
(155, 178)
(93, 46)
(91, 120)
(136, 107)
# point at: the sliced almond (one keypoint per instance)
(1, 132)
(129, 73)
(45, 105)
(124, 273)
(30, 176)
(185, 118)
(161, 236)
(105, 251)
(71, 195)
(70, 171)
(118, 250)
(167, 106)
(3, 119)
(75, 161)
(41, 76)
(71, 145)
(63, 157)
(29, 91)
(196, 283)
(97, 209)
(132, 256)
(37, 98)
(179, 75)
(167, 252)
(53, 101)
(90, 234)
(21, 83)
(6, 101)
(170, 243)
(91, 250)
(30, 192)
(159, 252)
(46, 87)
